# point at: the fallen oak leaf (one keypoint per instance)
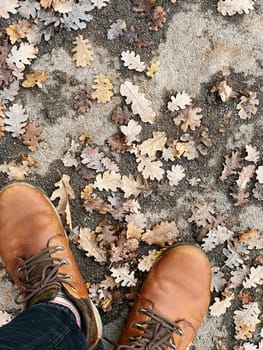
(157, 18)
(252, 154)
(162, 234)
(109, 180)
(259, 173)
(139, 104)
(121, 115)
(83, 52)
(246, 320)
(131, 131)
(131, 186)
(63, 192)
(224, 91)
(103, 89)
(36, 78)
(32, 136)
(151, 146)
(100, 3)
(231, 7)
(8, 6)
(219, 307)
(123, 276)
(117, 143)
(181, 100)
(83, 101)
(153, 69)
(15, 120)
(87, 242)
(175, 175)
(15, 32)
(16, 171)
(245, 175)
(132, 61)
(150, 168)
(21, 56)
(248, 106)
(190, 118)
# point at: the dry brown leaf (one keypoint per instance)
(63, 192)
(153, 69)
(82, 101)
(36, 78)
(162, 234)
(15, 32)
(140, 105)
(224, 91)
(175, 175)
(105, 233)
(32, 136)
(121, 115)
(248, 105)
(87, 242)
(117, 143)
(151, 146)
(157, 18)
(241, 198)
(83, 55)
(190, 118)
(103, 89)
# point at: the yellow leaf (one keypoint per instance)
(15, 32)
(153, 68)
(103, 89)
(83, 52)
(133, 231)
(35, 79)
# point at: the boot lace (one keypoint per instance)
(41, 271)
(157, 333)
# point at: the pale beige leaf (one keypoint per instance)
(259, 173)
(153, 69)
(123, 276)
(37, 78)
(8, 6)
(246, 320)
(150, 168)
(218, 279)
(63, 6)
(254, 278)
(131, 186)
(250, 346)
(15, 171)
(224, 91)
(15, 32)
(133, 231)
(140, 105)
(132, 61)
(21, 56)
(109, 180)
(237, 276)
(220, 306)
(162, 234)
(103, 89)
(248, 106)
(4, 318)
(131, 131)
(15, 120)
(147, 261)
(100, 3)
(175, 175)
(190, 118)
(252, 154)
(216, 236)
(231, 7)
(245, 176)
(252, 238)
(156, 143)
(87, 242)
(181, 100)
(83, 55)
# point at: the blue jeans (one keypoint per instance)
(43, 326)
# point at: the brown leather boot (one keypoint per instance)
(36, 253)
(172, 302)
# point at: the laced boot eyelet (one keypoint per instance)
(59, 248)
(74, 288)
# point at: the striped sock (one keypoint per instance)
(62, 299)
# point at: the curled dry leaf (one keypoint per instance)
(245, 176)
(87, 242)
(63, 192)
(33, 79)
(132, 61)
(103, 89)
(117, 143)
(224, 91)
(190, 118)
(181, 100)
(175, 175)
(83, 52)
(32, 136)
(248, 106)
(231, 7)
(232, 163)
(165, 233)
(140, 105)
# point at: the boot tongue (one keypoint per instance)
(46, 294)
